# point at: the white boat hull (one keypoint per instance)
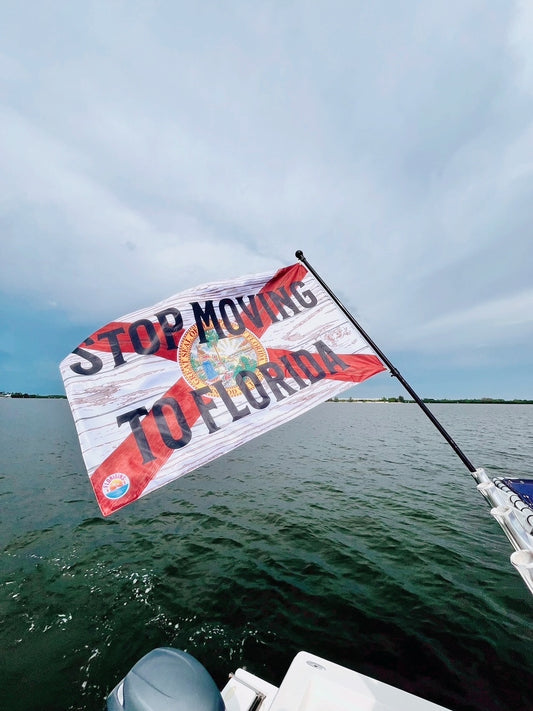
(315, 684)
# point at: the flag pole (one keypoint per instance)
(393, 370)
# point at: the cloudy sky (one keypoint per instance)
(146, 147)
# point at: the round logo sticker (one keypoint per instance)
(115, 486)
(219, 358)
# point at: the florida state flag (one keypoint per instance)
(164, 390)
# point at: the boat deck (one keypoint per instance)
(315, 684)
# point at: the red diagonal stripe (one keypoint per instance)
(127, 458)
(360, 366)
(98, 342)
(282, 278)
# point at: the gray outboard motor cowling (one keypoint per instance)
(166, 679)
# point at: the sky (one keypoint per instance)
(146, 147)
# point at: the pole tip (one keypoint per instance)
(299, 254)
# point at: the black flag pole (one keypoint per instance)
(393, 370)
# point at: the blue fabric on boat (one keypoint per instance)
(522, 488)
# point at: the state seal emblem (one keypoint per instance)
(219, 358)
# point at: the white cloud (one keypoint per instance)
(147, 147)
(492, 323)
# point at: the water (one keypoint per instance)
(354, 532)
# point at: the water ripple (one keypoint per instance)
(353, 532)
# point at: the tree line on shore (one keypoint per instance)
(429, 400)
(31, 395)
(400, 398)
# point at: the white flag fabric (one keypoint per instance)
(166, 389)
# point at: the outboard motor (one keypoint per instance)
(166, 679)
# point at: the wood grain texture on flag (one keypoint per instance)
(162, 391)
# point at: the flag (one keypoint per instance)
(164, 390)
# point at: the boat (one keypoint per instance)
(168, 679)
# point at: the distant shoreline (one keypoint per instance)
(430, 400)
(25, 396)
(400, 399)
